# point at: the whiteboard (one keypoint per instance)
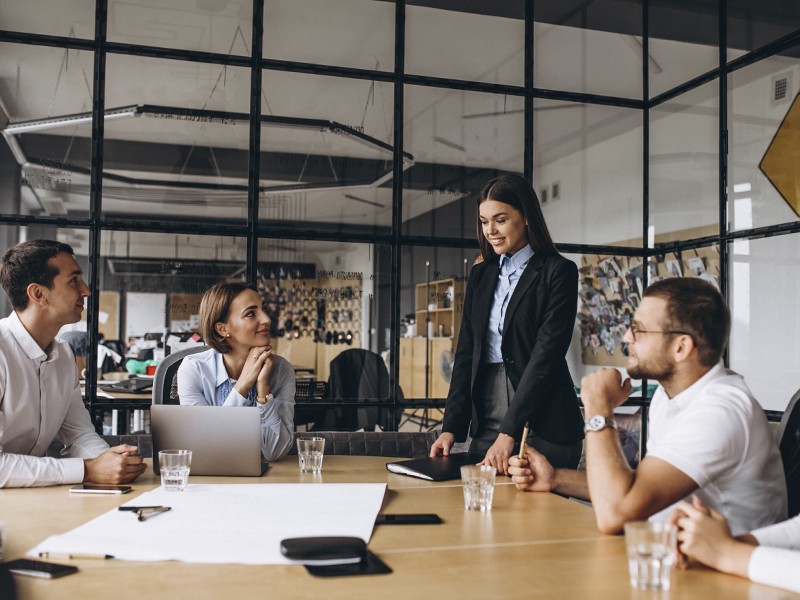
(144, 313)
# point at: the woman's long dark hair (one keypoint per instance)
(516, 191)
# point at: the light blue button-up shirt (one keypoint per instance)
(511, 268)
(203, 380)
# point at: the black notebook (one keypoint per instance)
(439, 468)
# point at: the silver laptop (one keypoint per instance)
(224, 440)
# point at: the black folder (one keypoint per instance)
(438, 468)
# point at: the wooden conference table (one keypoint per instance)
(528, 546)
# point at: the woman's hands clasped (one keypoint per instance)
(256, 370)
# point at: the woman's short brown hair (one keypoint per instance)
(215, 307)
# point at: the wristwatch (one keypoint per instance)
(598, 423)
(264, 400)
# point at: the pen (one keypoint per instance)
(135, 508)
(59, 556)
(144, 512)
(524, 438)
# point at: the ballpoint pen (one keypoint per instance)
(524, 438)
(74, 556)
(143, 512)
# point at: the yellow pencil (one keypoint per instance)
(524, 438)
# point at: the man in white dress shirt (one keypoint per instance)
(40, 397)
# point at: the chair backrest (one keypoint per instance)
(308, 390)
(165, 390)
(400, 444)
(789, 443)
(358, 374)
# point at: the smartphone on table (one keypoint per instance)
(99, 488)
(39, 568)
(409, 519)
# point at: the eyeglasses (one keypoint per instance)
(635, 331)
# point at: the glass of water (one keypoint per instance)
(651, 554)
(174, 466)
(478, 483)
(310, 451)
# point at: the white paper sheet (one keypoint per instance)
(226, 523)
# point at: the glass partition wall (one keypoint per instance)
(332, 155)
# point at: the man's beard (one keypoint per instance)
(659, 370)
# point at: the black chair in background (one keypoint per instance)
(358, 374)
(308, 390)
(165, 382)
(789, 443)
(400, 444)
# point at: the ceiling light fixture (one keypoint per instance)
(66, 120)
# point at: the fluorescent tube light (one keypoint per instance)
(62, 121)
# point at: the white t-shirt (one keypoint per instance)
(40, 401)
(716, 433)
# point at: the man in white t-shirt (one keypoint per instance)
(40, 397)
(708, 435)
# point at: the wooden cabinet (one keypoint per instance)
(438, 309)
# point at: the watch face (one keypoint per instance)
(596, 423)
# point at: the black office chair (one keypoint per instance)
(307, 390)
(8, 590)
(165, 382)
(789, 443)
(400, 444)
(358, 374)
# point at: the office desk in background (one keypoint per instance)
(127, 410)
(528, 546)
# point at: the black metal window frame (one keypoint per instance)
(253, 229)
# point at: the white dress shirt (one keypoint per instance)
(40, 401)
(775, 560)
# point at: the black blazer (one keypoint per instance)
(537, 332)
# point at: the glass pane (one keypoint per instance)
(752, 25)
(151, 285)
(684, 166)
(431, 307)
(326, 161)
(591, 47)
(207, 25)
(763, 187)
(588, 172)
(70, 18)
(684, 42)
(459, 140)
(78, 239)
(358, 33)
(764, 280)
(610, 292)
(483, 42)
(48, 95)
(182, 151)
(331, 314)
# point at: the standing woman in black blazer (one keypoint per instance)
(519, 313)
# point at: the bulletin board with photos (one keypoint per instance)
(610, 291)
